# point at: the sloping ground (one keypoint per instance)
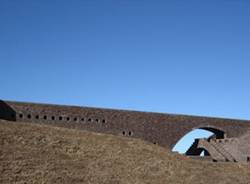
(31, 153)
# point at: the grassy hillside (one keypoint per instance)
(31, 153)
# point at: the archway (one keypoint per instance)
(188, 144)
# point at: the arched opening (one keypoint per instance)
(189, 143)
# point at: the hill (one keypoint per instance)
(34, 153)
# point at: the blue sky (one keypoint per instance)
(184, 57)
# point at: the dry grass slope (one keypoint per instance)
(31, 153)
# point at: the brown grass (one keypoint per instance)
(31, 153)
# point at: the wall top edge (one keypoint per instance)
(123, 111)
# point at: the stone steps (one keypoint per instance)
(215, 154)
(228, 156)
(216, 150)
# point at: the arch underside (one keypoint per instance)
(218, 134)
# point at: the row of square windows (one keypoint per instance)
(60, 118)
(45, 117)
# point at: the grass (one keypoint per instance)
(33, 153)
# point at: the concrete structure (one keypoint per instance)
(162, 129)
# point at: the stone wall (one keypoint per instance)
(158, 128)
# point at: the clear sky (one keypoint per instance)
(184, 57)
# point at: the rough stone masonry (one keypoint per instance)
(230, 141)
